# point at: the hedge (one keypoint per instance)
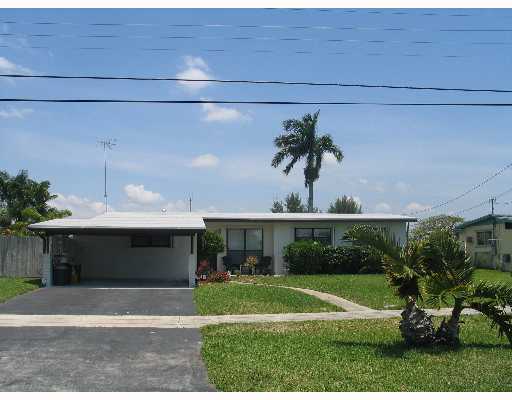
(309, 257)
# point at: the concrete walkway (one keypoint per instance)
(193, 321)
(327, 297)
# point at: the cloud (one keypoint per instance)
(414, 207)
(195, 68)
(363, 181)
(81, 207)
(138, 195)
(383, 207)
(380, 187)
(329, 159)
(204, 161)
(402, 187)
(16, 113)
(8, 67)
(215, 113)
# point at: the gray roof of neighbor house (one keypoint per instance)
(485, 220)
(190, 222)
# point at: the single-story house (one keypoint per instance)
(162, 246)
(488, 241)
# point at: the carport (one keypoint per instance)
(128, 247)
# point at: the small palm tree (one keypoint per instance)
(449, 281)
(404, 269)
(301, 141)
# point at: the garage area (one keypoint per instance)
(121, 248)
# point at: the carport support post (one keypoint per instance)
(192, 261)
(46, 270)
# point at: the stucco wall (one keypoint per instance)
(112, 257)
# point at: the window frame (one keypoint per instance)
(168, 244)
(244, 253)
(483, 243)
(313, 236)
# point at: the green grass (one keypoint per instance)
(10, 287)
(231, 298)
(360, 355)
(368, 290)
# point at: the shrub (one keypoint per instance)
(307, 257)
(219, 277)
(209, 245)
(304, 257)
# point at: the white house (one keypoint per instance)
(162, 246)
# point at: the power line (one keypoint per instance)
(255, 102)
(256, 82)
(475, 187)
(483, 203)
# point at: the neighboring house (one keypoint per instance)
(488, 241)
(162, 246)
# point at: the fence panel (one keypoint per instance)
(20, 256)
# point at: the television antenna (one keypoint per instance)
(107, 144)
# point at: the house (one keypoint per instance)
(488, 240)
(162, 246)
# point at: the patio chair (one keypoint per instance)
(263, 266)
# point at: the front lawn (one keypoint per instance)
(232, 298)
(360, 355)
(10, 287)
(369, 290)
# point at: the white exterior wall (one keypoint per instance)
(276, 235)
(112, 257)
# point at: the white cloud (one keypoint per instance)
(329, 159)
(8, 67)
(383, 207)
(204, 161)
(216, 113)
(81, 207)
(195, 68)
(363, 181)
(138, 195)
(380, 187)
(16, 113)
(402, 187)
(413, 207)
(176, 206)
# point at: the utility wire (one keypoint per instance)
(254, 102)
(258, 82)
(475, 187)
(483, 203)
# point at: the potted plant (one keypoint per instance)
(251, 262)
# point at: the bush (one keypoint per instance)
(219, 277)
(209, 245)
(307, 257)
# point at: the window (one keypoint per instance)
(506, 258)
(322, 235)
(508, 225)
(242, 243)
(151, 241)
(483, 238)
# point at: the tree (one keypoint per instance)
(345, 205)
(292, 204)
(300, 141)
(431, 224)
(24, 201)
(450, 282)
(404, 269)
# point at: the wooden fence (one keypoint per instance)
(21, 256)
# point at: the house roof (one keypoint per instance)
(191, 222)
(485, 220)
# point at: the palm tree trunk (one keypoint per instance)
(310, 198)
(416, 325)
(448, 332)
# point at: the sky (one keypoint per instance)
(396, 159)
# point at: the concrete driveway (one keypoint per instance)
(98, 300)
(101, 359)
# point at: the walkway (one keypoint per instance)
(193, 321)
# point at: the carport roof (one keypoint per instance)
(125, 222)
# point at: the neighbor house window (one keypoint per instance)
(483, 238)
(242, 243)
(508, 225)
(322, 235)
(151, 241)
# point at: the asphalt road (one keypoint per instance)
(101, 359)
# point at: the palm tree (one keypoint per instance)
(404, 269)
(299, 141)
(450, 281)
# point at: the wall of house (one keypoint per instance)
(276, 235)
(483, 255)
(112, 257)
